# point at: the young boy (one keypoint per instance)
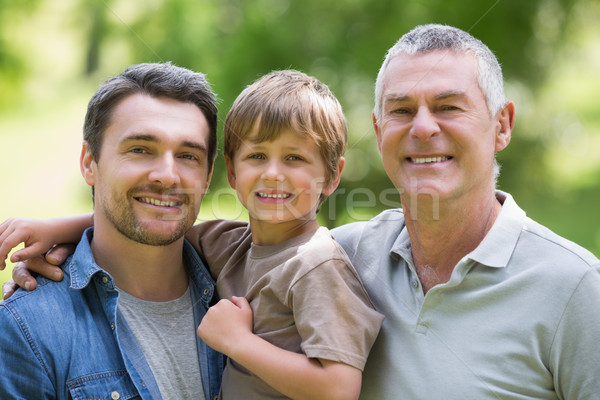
(299, 323)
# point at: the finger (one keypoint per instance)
(40, 266)
(27, 252)
(8, 289)
(59, 253)
(22, 277)
(7, 243)
(241, 302)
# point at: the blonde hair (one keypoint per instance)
(284, 100)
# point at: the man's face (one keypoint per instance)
(152, 171)
(436, 136)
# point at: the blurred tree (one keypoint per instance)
(12, 66)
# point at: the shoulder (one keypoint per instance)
(554, 248)
(48, 304)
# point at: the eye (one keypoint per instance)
(295, 157)
(449, 107)
(138, 150)
(256, 156)
(189, 156)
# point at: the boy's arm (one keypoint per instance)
(39, 236)
(227, 328)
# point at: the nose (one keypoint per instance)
(424, 125)
(165, 171)
(273, 171)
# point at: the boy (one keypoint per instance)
(312, 320)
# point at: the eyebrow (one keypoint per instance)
(440, 96)
(154, 139)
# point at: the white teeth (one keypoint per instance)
(425, 160)
(274, 196)
(160, 203)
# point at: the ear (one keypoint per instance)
(230, 172)
(377, 131)
(87, 165)
(506, 122)
(336, 180)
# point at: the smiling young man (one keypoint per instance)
(122, 323)
(480, 302)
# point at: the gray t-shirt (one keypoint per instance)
(166, 334)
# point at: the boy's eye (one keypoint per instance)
(138, 150)
(188, 156)
(295, 157)
(256, 156)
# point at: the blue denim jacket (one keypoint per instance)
(67, 340)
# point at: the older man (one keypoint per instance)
(480, 301)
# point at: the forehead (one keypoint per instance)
(166, 119)
(430, 74)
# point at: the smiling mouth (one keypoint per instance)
(428, 160)
(159, 203)
(274, 195)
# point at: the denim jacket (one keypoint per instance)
(67, 339)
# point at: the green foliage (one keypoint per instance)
(540, 44)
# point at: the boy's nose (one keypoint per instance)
(273, 172)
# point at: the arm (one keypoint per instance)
(227, 328)
(39, 235)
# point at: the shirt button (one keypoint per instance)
(115, 395)
(104, 280)
(112, 326)
(206, 291)
(415, 284)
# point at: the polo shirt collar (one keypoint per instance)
(497, 247)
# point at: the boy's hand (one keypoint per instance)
(33, 233)
(22, 273)
(226, 324)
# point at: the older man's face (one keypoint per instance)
(436, 136)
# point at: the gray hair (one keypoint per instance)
(428, 38)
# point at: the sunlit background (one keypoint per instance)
(53, 54)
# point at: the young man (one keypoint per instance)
(122, 322)
(480, 301)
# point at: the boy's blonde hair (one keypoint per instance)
(289, 99)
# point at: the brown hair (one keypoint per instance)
(289, 99)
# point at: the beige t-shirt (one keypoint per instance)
(305, 295)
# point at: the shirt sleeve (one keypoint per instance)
(23, 374)
(334, 314)
(573, 358)
(216, 241)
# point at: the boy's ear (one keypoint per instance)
(336, 180)
(230, 172)
(87, 164)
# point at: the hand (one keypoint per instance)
(35, 234)
(22, 273)
(226, 324)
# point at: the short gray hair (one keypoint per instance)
(428, 38)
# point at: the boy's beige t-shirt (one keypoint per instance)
(305, 295)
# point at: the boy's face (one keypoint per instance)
(281, 181)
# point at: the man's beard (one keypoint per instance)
(125, 220)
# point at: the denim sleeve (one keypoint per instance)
(23, 374)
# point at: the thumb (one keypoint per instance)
(241, 302)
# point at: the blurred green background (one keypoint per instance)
(53, 54)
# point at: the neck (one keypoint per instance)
(442, 233)
(154, 273)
